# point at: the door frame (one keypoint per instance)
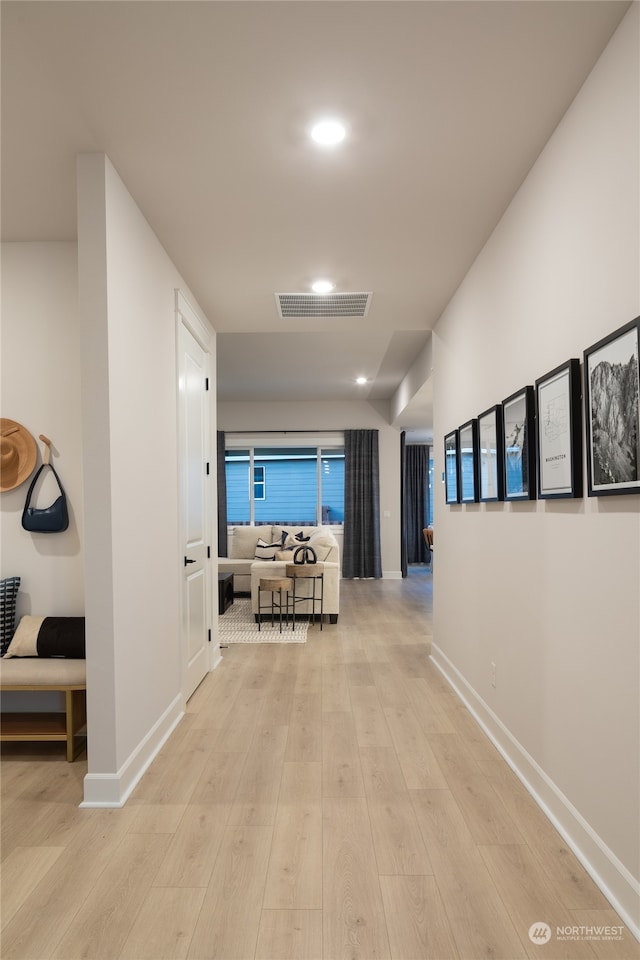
(187, 317)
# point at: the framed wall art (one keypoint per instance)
(559, 432)
(490, 455)
(451, 489)
(468, 462)
(612, 412)
(518, 416)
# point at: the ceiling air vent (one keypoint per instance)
(297, 305)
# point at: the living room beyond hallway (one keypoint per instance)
(326, 799)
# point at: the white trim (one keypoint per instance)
(238, 441)
(200, 330)
(615, 881)
(392, 574)
(113, 789)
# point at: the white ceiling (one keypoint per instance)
(204, 108)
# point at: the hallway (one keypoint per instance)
(332, 799)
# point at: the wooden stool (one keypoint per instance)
(307, 571)
(274, 585)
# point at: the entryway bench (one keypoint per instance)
(44, 673)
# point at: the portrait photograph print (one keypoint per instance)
(451, 467)
(519, 448)
(612, 412)
(468, 461)
(490, 455)
(559, 432)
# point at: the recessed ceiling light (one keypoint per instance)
(328, 132)
(322, 286)
(361, 380)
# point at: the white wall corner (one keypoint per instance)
(415, 378)
(621, 889)
(113, 790)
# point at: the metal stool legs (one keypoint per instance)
(274, 585)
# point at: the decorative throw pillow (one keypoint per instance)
(322, 544)
(49, 637)
(285, 555)
(291, 539)
(243, 543)
(266, 551)
(9, 587)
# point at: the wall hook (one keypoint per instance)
(47, 448)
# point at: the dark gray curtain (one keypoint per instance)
(415, 492)
(403, 540)
(222, 496)
(361, 552)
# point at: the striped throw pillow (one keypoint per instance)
(9, 587)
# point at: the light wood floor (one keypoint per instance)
(323, 800)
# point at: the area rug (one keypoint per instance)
(238, 625)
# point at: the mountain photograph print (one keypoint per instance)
(612, 408)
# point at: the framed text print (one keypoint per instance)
(519, 446)
(559, 432)
(451, 467)
(612, 412)
(490, 455)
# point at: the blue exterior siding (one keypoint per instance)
(290, 491)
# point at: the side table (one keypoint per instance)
(225, 591)
(274, 585)
(307, 571)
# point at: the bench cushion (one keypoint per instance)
(54, 672)
(48, 637)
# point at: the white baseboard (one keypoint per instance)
(113, 789)
(392, 574)
(217, 658)
(621, 889)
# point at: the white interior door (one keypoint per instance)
(195, 496)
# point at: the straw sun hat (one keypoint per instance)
(18, 454)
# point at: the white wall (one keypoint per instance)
(40, 372)
(127, 307)
(329, 415)
(41, 390)
(549, 591)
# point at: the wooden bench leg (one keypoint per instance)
(76, 716)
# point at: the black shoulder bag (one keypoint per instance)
(51, 519)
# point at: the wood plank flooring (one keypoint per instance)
(323, 801)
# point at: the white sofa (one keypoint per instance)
(248, 566)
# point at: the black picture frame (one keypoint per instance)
(451, 484)
(559, 432)
(612, 412)
(468, 461)
(518, 427)
(490, 455)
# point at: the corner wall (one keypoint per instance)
(549, 591)
(40, 374)
(41, 390)
(127, 289)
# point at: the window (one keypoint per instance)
(430, 491)
(293, 484)
(258, 483)
(237, 474)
